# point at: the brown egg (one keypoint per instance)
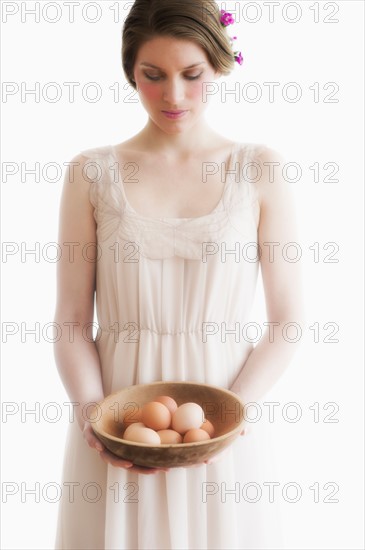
(132, 427)
(143, 435)
(186, 417)
(170, 436)
(168, 402)
(196, 435)
(208, 427)
(156, 416)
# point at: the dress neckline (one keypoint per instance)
(233, 151)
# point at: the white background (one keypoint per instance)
(305, 132)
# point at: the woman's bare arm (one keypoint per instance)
(76, 356)
(282, 282)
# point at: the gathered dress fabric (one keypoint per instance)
(172, 296)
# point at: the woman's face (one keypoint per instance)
(170, 74)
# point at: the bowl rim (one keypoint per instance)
(170, 445)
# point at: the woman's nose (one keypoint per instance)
(173, 92)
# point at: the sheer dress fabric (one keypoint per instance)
(167, 289)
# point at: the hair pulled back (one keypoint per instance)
(195, 20)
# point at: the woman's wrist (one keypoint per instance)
(87, 413)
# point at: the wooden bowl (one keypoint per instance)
(222, 407)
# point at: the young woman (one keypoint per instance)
(168, 229)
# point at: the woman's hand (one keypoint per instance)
(111, 458)
(114, 460)
(117, 462)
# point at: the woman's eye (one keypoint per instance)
(151, 77)
(193, 77)
(156, 78)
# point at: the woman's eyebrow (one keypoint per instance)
(159, 68)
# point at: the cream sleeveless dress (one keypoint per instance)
(167, 291)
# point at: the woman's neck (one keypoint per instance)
(200, 136)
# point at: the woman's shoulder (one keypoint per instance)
(253, 148)
(80, 160)
(95, 152)
(260, 154)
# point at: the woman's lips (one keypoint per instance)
(174, 114)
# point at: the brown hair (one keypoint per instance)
(196, 20)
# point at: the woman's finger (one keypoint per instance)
(216, 457)
(245, 430)
(91, 438)
(114, 460)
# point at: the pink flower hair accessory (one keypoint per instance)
(226, 19)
